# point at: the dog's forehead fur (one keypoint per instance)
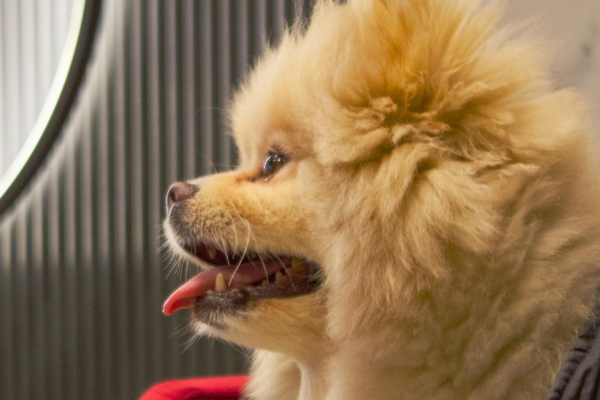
(365, 75)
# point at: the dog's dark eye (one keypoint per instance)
(274, 162)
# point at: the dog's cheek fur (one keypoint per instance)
(474, 273)
(461, 272)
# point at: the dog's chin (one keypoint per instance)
(292, 326)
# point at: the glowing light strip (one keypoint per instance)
(56, 89)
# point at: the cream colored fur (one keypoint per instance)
(449, 194)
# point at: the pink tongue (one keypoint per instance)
(246, 274)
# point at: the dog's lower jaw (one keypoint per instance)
(291, 352)
(279, 376)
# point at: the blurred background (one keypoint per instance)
(82, 277)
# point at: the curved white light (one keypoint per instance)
(51, 100)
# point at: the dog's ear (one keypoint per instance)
(358, 134)
(353, 134)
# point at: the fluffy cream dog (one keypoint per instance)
(414, 215)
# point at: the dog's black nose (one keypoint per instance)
(178, 192)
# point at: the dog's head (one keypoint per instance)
(371, 143)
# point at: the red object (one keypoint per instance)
(224, 388)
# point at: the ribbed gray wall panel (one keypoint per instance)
(82, 279)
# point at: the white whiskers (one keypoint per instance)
(247, 242)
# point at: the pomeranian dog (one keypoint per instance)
(414, 215)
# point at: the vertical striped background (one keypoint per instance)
(81, 276)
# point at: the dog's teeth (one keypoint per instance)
(252, 255)
(265, 282)
(220, 285)
(212, 251)
(278, 277)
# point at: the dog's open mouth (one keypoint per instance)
(238, 279)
